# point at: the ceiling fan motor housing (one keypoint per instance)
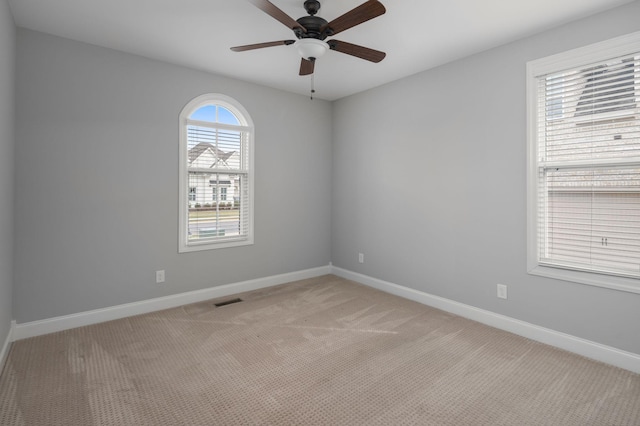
(313, 25)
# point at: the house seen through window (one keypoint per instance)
(216, 170)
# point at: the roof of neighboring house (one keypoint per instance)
(199, 149)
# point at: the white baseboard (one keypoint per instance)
(607, 354)
(52, 325)
(7, 344)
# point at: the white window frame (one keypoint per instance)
(246, 125)
(583, 56)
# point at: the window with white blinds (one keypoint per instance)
(216, 180)
(584, 159)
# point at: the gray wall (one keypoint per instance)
(429, 180)
(7, 143)
(426, 176)
(97, 180)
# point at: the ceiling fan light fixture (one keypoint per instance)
(311, 48)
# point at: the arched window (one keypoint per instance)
(216, 174)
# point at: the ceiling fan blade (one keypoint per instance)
(261, 45)
(357, 51)
(368, 10)
(273, 11)
(306, 66)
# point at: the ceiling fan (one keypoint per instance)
(311, 32)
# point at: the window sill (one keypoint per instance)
(630, 285)
(213, 246)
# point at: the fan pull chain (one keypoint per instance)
(313, 90)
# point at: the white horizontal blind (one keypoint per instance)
(588, 162)
(218, 169)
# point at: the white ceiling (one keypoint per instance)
(415, 34)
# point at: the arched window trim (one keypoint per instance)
(246, 207)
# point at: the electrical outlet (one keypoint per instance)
(361, 257)
(502, 291)
(160, 276)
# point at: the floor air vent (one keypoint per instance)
(227, 302)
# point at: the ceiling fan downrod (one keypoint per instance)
(312, 6)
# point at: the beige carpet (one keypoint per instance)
(323, 351)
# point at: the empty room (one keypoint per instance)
(290, 212)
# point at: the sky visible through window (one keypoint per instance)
(226, 140)
(208, 113)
